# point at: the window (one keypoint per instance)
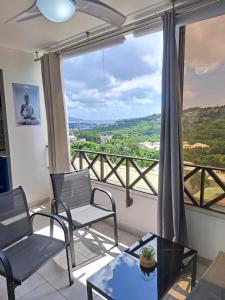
(114, 101)
(114, 97)
(204, 107)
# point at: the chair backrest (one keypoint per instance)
(15, 223)
(74, 188)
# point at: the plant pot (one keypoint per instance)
(147, 263)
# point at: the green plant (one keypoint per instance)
(147, 252)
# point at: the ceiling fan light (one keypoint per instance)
(57, 10)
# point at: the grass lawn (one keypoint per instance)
(211, 193)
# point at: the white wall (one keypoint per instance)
(139, 218)
(27, 144)
(206, 229)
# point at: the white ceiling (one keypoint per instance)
(40, 34)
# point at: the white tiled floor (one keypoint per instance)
(94, 248)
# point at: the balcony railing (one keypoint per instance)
(204, 186)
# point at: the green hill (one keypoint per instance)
(206, 126)
(200, 125)
(142, 129)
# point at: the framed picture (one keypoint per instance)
(27, 104)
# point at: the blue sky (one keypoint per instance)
(128, 84)
(120, 82)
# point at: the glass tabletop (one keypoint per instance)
(123, 278)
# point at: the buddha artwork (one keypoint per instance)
(26, 104)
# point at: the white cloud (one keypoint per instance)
(205, 49)
(130, 81)
(151, 82)
(75, 85)
(154, 60)
(94, 94)
(142, 101)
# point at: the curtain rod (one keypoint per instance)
(101, 37)
(183, 8)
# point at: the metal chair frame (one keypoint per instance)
(60, 202)
(10, 281)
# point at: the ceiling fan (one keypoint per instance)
(63, 10)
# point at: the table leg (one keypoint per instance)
(89, 292)
(194, 270)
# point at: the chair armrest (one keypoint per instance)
(110, 196)
(6, 266)
(55, 218)
(65, 207)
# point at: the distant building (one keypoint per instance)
(105, 138)
(74, 139)
(187, 146)
(151, 146)
(81, 140)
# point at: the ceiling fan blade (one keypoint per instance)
(102, 11)
(29, 13)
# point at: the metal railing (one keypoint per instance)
(204, 186)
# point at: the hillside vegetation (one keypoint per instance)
(127, 136)
(206, 126)
(200, 125)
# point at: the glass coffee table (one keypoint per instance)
(124, 279)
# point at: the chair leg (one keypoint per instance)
(10, 289)
(52, 221)
(115, 230)
(69, 264)
(51, 227)
(72, 246)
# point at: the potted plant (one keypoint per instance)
(147, 257)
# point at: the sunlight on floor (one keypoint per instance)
(94, 248)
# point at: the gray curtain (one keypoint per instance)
(171, 211)
(59, 157)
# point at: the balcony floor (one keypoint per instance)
(94, 248)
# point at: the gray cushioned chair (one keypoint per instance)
(74, 200)
(22, 252)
